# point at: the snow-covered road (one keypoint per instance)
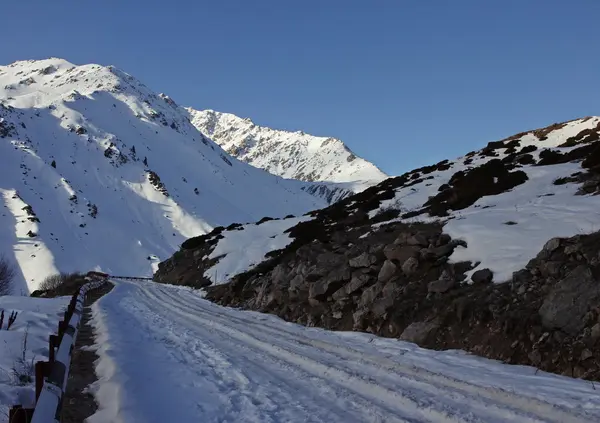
(167, 355)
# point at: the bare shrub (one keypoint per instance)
(53, 282)
(7, 274)
(23, 370)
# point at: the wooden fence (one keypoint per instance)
(51, 376)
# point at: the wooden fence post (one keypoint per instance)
(41, 371)
(18, 414)
(52, 345)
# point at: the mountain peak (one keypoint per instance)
(290, 154)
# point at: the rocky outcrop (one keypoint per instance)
(397, 282)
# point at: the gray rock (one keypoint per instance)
(387, 271)
(410, 266)
(482, 276)
(386, 300)
(357, 282)
(399, 252)
(595, 332)
(369, 295)
(440, 286)
(572, 249)
(550, 268)
(444, 250)
(585, 354)
(329, 259)
(301, 269)
(280, 274)
(340, 294)
(363, 260)
(358, 317)
(382, 305)
(443, 239)
(402, 239)
(296, 282)
(328, 285)
(418, 240)
(552, 245)
(566, 305)
(418, 332)
(535, 356)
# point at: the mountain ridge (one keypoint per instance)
(290, 154)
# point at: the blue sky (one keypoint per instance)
(403, 83)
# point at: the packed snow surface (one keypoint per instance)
(167, 355)
(288, 154)
(25, 343)
(99, 172)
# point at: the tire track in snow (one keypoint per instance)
(417, 385)
(525, 407)
(205, 356)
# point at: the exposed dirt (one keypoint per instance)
(78, 403)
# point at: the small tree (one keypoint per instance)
(53, 164)
(145, 161)
(7, 274)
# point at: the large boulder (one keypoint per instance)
(570, 299)
(410, 266)
(359, 280)
(552, 245)
(440, 286)
(482, 276)
(280, 274)
(387, 271)
(327, 285)
(363, 260)
(369, 295)
(418, 332)
(418, 239)
(399, 252)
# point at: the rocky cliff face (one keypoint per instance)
(453, 255)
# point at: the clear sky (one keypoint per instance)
(403, 83)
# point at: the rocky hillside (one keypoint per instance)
(293, 155)
(100, 172)
(495, 252)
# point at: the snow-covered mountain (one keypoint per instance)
(100, 172)
(288, 154)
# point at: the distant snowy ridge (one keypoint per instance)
(100, 172)
(288, 154)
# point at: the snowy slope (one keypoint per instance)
(76, 190)
(166, 354)
(288, 154)
(25, 344)
(503, 232)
